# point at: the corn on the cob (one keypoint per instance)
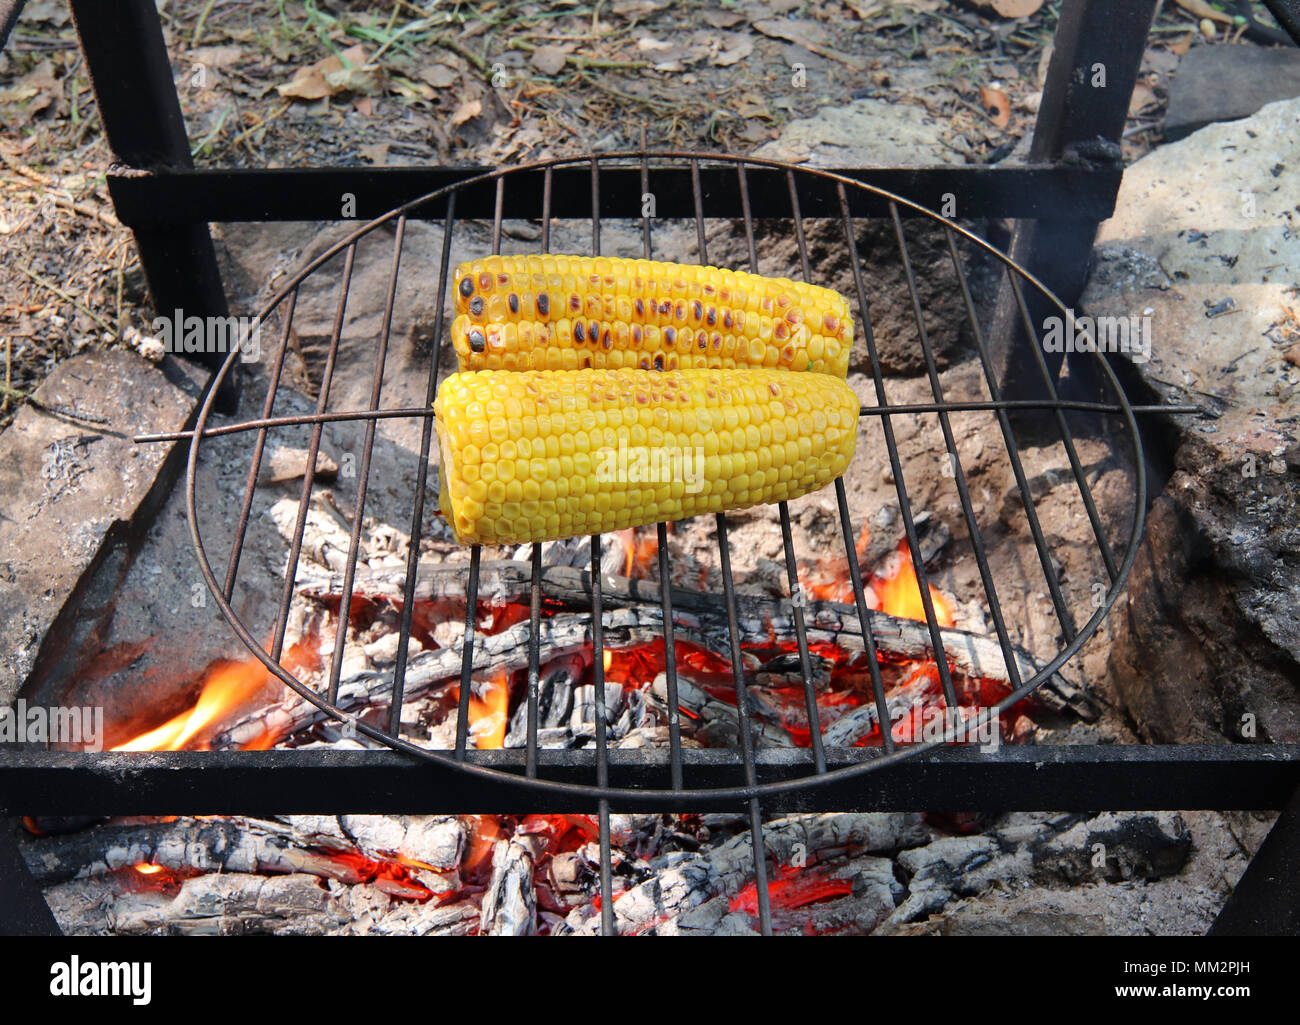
(536, 455)
(572, 312)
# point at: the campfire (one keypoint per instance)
(543, 867)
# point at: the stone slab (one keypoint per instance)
(71, 487)
(1224, 83)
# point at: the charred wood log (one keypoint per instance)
(698, 618)
(678, 884)
(510, 902)
(222, 845)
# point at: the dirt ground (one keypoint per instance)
(387, 82)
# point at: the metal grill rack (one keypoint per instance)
(804, 190)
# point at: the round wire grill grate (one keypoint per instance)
(835, 196)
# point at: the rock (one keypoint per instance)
(864, 133)
(75, 491)
(1224, 83)
(284, 464)
(1208, 643)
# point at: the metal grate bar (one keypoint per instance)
(895, 463)
(535, 583)
(737, 665)
(1067, 436)
(313, 448)
(602, 750)
(259, 447)
(363, 472)
(675, 777)
(534, 658)
(746, 731)
(850, 544)
(783, 508)
(598, 655)
(409, 412)
(547, 179)
(864, 619)
(467, 653)
(959, 473)
(498, 205)
(422, 479)
(1009, 441)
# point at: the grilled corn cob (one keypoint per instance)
(536, 455)
(570, 312)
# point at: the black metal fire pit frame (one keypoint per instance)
(1058, 202)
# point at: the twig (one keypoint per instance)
(583, 63)
(628, 97)
(198, 26)
(261, 123)
(447, 43)
(51, 286)
(121, 275)
(60, 197)
(9, 372)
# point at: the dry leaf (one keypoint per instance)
(549, 60)
(331, 76)
(1011, 8)
(39, 86)
(307, 84)
(865, 9)
(722, 19)
(1183, 45)
(648, 44)
(375, 152)
(807, 34)
(440, 76)
(1201, 9)
(996, 104)
(637, 8)
(216, 56)
(467, 110)
(735, 47)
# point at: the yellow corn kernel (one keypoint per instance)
(624, 448)
(607, 312)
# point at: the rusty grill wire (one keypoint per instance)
(675, 790)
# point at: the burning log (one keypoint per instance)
(716, 723)
(697, 619)
(859, 722)
(189, 845)
(679, 884)
(237, 903)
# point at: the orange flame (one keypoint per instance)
(899, 593)
(830, 578)
(228, 687)
(147, 869)
(641, 548)
(488, 716)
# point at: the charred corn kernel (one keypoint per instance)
(570, 312)
(603, 450)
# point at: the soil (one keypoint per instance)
(439, 82)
